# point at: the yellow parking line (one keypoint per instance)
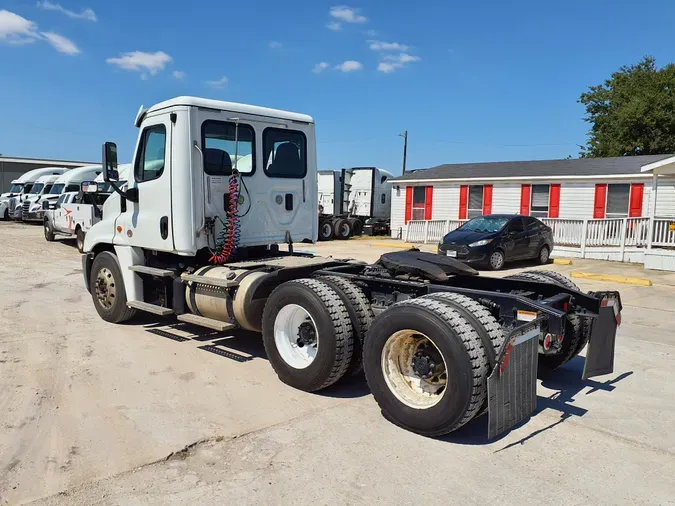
(562, 261)
(386, 244)
(612, 278)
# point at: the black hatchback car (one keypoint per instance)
(495, 239)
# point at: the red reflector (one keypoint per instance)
(505, 361)
(566, 306)
(547, 341)
(559, 337)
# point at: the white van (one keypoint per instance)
(74, 213)
(23, 185)
(68, 182)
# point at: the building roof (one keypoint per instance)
(46, 161)
(577, 167)
(231, 107)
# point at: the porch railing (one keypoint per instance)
(612, 233)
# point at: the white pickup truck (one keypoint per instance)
(74, 213)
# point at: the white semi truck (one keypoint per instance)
(74, 213)
(22, 186)
(194, 237)
(30, 207)
(352, 198)
(33, 207)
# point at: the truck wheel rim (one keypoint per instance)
(80, 241)
(105, 288)
(345, 230)
(416, 381)
(325, 230)
(496, 260)
(296, 336)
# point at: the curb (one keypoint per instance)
(385, 244)
(612, 278)
(561, 261)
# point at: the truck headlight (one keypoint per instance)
(482, 242)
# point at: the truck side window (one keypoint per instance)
(285, 153)
(72, 188)
(219, 148)
(383, 198)
(150, 159)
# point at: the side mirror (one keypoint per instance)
(45, 205)
(110, 162)
(89, 187)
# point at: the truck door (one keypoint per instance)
(147, 223)
(60, 216)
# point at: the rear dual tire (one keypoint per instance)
(425, 330)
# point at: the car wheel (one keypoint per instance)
(496, 261)
(544, 255)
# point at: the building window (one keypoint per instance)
(618, 198)
(539, 204)
(475, 201)
(419, 202)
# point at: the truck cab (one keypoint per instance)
(31, 207)
(197, 160)
(22, 186)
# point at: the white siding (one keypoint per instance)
(665, 198)
(397, 210)
(576, 200)
(506, 198)
(446, 202)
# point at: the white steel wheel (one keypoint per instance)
(543, 255)
(295, 336)
(414, 369)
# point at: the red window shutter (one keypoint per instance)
(463, 201)
(636, 192)
(554, 201)
(600, 201)
(408, 203)
(487, 199)
(428, 202)
(525, 199)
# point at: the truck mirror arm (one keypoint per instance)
(131, 194)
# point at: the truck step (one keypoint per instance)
(149, 308)
(203, 280)
(202, 321)
(153, 271)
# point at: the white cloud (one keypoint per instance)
(347, 14)
(220, 83)
(87, 14)
(178, 74)
(394, 62)
(335, 26)
(349, 66)
(320, 67)
(378, 45)
(371, 33)
(60, 43)
(142, 62)
(17, 30)
(274, 44)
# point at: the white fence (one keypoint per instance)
(623, 239)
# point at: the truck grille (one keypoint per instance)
(26, 207)
(12, 205)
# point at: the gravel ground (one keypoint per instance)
(154, 413)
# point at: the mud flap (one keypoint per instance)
(600, 351)
(512, 386)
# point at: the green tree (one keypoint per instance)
(632, 113)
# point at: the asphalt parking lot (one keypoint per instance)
(158, 413)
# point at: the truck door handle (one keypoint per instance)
(164, 226)
(289, 202)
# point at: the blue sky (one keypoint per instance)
(470, 81)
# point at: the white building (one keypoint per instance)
(604, 208)
(584, 188)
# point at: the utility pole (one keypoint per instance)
(405, 148)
